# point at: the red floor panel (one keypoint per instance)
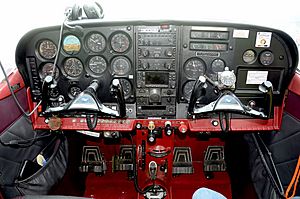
(117, 186)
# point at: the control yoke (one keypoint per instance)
(88, 103)
(228, 102)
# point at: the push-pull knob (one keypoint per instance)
(267, 88)
(168, 128)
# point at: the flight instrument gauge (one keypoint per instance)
(120, 42)
(97, 65)
(47, 69)
(127, 88)
(187, 89)
(73, 67)
(74, 91)
(71, 44)
(194, 67)
(96, 42)
(120, 65)
(47, 49)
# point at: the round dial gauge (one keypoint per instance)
(217, 65)
(47, 70)
(47, 49)
(120, 42)
(187, 89)
(96, 42)
(120, 65)
(71, 44)
(74, 91)
(194, 67)
(249, 56)
(266, 58)
(73, 67)
(127, 88)
(97, 64)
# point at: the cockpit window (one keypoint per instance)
(31, 14)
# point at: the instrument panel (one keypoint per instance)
(157, 63)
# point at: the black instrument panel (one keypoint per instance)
(157, 62)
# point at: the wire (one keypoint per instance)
(26, 142)
(14, 96)
(136, 184)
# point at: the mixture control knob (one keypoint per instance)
(154, 95)
(183, 128)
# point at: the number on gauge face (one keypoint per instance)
(47, 70)
(73, 67)
(47, 49)
(194, 67)
(97, 64)
(96, 42)
(120, 65)
(120, 42)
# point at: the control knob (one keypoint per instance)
(169, 52)
(154, 95)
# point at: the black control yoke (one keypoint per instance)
(88, 103)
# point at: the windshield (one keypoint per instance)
(30, 14)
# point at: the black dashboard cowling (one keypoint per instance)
(157, 63)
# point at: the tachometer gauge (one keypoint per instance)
(120, 65)
(120, 42)
(73, 67)
(97, 64)
(47, 70)
(96, 42)
(47, 49)
(194, 67)
(74, 91)
(127, 88)
(187, 89)
(71, 44)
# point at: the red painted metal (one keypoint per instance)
(295, 84)
(117, 184)
(194, 125)
(14, 78)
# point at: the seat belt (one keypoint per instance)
(294, 181)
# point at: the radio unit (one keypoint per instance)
(156, 71)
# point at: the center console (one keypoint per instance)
(156, 71)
